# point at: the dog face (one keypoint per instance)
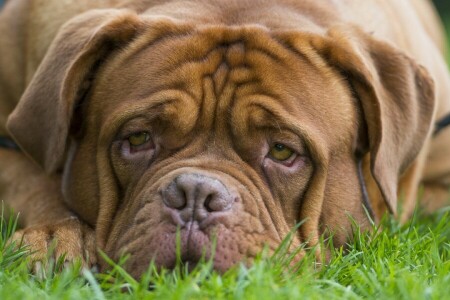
(219, 135)
(225, 127)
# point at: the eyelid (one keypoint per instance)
(295, 145)
(136, 133)
(134, 126)
(286, 137)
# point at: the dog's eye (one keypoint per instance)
(280, 152)
(138, 139)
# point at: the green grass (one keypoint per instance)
(397, 262)
(447, 29)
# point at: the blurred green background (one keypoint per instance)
(443, 7)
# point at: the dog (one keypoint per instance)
(130, 124)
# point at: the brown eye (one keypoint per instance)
(138, 139)
(280, 152)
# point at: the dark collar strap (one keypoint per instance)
(441, 124)
(365, 194)
(6, 142)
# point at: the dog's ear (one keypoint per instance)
(396, 96)
(41, 121)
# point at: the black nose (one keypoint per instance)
(197, 196)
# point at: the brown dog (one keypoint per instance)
(228, 120)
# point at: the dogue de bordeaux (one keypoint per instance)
(126, 124)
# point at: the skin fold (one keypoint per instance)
(221, 123)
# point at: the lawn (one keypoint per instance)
(398, 262)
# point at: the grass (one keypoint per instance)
(410, 261)
(446, 19)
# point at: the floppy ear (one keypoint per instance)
(396, 96)
(40, 122)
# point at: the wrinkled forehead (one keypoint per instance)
(228, 65)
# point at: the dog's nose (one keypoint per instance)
(196, 196)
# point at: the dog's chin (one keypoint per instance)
(169, 246)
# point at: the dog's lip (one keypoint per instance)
(207, 222)
(195, 246)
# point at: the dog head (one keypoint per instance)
(215, 134)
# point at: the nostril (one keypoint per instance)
(217, 202)
(183, 201)
(208, 203)
(174, 197)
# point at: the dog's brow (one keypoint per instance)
(277, 114)
(147, 107)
